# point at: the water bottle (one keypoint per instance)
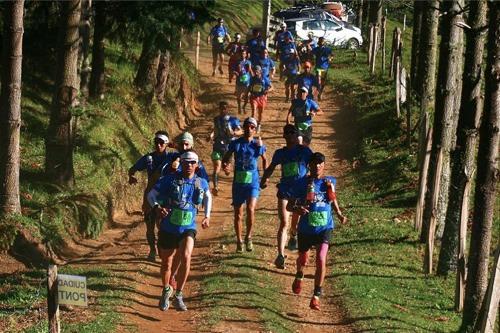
(310, 191)
(149, 161)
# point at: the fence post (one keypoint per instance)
(197, 52)
(180, 38)
(374, 48)
(422, 185)
(393, 55)
(492, 298)
(52, 304)
(370, 41)
(404, 22)
(382, 34)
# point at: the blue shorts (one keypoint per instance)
(285, 191)
(242, 193)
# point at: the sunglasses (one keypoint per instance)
(307, 67)
(190, 162)
(251, 126)
(159, 142)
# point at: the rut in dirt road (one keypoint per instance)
(142, 311)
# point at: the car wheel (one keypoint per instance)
(352, 44)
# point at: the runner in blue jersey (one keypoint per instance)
(245, 189)
(293, 160)
(255, 45)
(309, 80)
(292, 67)
(322, 54)
(243, 75)
(315, 200)
(267, 65)
(285, 52)
(260, 86)
(281, 35)
(154, 163)
(184, 143)
(303, 110)
(176, 199)
(226, 128)
(218, 35)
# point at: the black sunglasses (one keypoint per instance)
(159, 142)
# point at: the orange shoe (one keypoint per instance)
(297, 286)
(314, 303)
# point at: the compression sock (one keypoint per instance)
(299, 275)
(317, 291)
(216, 179)
(179, 292)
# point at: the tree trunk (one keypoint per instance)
(487, 178)
(10, 107)
(447, 105)
(415, 40)
(468, 123)
(161, 77)
(97, 77)
(375, 14)
(145, 78)
(359, 14)
(59, 140)
(84, 61)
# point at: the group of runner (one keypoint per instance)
(178, 184)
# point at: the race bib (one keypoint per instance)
(245, 78)
(303, 126)
(318, 219)
(257, 88)
(243, 177)
(220, 39)
(290, 169)
(181, 217)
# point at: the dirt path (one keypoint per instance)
(125, 247)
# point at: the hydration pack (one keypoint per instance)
(175, 197)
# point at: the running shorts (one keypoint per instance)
(167, 240)
(258, 101)
(306, 134)
(242, 193)
(217, 48)
(291, 78)
(307, 241)
(285, 191)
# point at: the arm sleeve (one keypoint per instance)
(139, 165)
(153, 197)
(276, 158)
(207, 202)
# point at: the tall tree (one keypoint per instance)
(359, 13)
(97, 77)
(59, 139)
(486, 180)
(415, 40)
(445, 117)
(375, 12)
(468, 123)
(10, 106)
(84, 61)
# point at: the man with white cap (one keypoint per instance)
(154, 163)
(280, 35)
(184, 143)
(246, 188)
(285, 53)
(176, 199)
(303, 110)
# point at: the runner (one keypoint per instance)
(255, 45)
(267, 64)
(291, 71)
(246, 189)
(322, 55)
(308, 79)
(305, 48)
(302, 110)
(226, 128)
(259, 88)
(233, 49)
(281, 35)
(153, 163)
(219, 34)
(185, 143)
(286, 50)
(244, 73)
(293, 159)
(182, 194)
(315, 199)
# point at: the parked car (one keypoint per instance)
(333, 32)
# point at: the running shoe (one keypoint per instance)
(249, 245)
(179, 302)
(280, 261)
(152, 256)
(221, 71)
(215, 191)
(292, 243)
(173, 282)
(165, 298)
(239, 247)
(297, 286)
(314, 303)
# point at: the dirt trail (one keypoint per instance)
(125, 248)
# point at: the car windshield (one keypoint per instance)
(330, 25)
(311, 25)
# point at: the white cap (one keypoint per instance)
(189, 156)
(283, 24)
(250, 120)
(304, 89)
(162, 137)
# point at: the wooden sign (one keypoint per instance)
(72, 289)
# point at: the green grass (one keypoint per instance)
(378, 259)
(23, 302)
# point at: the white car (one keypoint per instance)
(332, 31)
